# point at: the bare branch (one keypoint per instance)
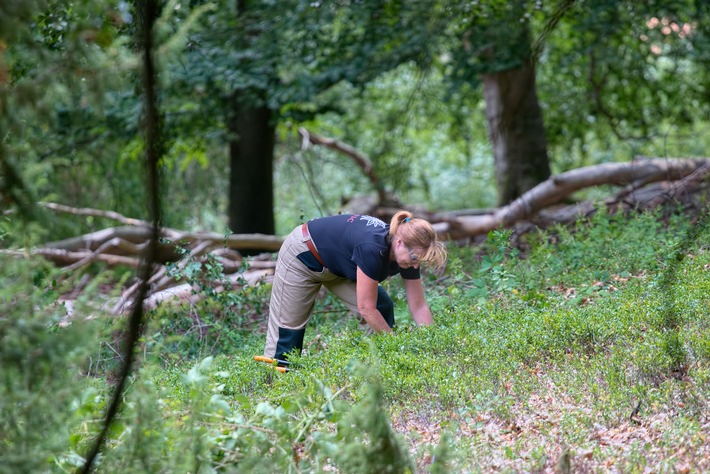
(362, 161)
(169, 237)
(83, 211)
(65, 257)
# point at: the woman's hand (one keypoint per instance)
(417, 303)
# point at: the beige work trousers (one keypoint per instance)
(294, 293)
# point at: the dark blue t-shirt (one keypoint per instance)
(348, 241)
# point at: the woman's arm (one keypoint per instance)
(417, 303)
(367, 302)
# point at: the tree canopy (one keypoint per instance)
(608, 73)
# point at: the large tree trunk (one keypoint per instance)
(252, 137)
(251, 201)
(516, 130)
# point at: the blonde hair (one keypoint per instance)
(418, 233)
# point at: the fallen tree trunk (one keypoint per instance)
(170, 237)
(635, 175)
(457, 225)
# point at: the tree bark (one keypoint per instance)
(251, 195)
(516, 131)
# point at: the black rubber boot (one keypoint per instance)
(289, 339)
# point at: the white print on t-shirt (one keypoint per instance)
(373, 221)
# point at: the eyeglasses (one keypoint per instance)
(411, 254)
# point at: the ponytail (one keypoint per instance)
(419, 233)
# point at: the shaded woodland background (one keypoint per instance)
(456, 106)
(208, 129)
(272, 113)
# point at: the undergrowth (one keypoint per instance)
(560, 350)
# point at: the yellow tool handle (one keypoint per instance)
(269, 360)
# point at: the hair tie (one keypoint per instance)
(407, 219)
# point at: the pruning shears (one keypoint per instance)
(278, 363)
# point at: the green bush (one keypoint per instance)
(43, 357)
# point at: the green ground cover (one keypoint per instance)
(580, 351)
